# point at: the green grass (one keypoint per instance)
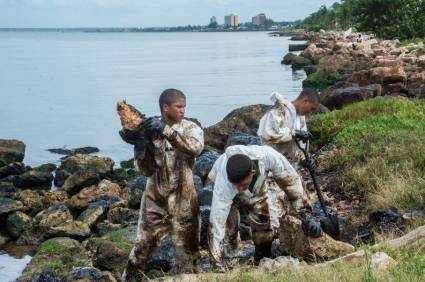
(319, 81)
(381, 151)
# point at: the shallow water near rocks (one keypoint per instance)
(10, 267)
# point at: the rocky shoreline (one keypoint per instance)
(85, 227)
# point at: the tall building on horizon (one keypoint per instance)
(231, 20)
(259, 20)
(213, 20)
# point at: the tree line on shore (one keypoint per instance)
(402, 19)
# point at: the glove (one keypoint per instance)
(153, 127)
(133, 137)
(311, 227)
(302, 135)
(310, 163)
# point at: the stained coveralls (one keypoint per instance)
(169, 205)
(255, 198)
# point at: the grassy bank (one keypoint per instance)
(380, 151)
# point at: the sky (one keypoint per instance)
(146, 13)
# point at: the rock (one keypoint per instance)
(134, 190)
(8, 205)
(293, 242)
(54, 216)
(238, 138)
(204, 164)
(79, 180)
(244, 119)
(83, 274)
(59, 255)
(7, 190)
(14, 168)
(93, 213)
(93, 193)
(46, 276)
(314, 54)
(344, 96)
(106, 227)
(70, 165)
(122, 215)
(110, 257)
(278, 264)
(11, 151)
(197, 181)
(297, 47)
(421, 61)
(17, 222)
(55, 197)
(388, 75)
(413, 215)
(205, 220)
(395, 88)
(32, 200)
(82, 150)
(107, 277)
(416, 85)
(34, 179)
(71, 228)
(287, 59)
(298, 62)
(205, 196)
(381, 261)
(163, 257)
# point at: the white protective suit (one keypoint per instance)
(278, 125)
(269, 161)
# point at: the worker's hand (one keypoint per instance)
(153, 127)
(309, 163)
(302, 135)
(133, 137)
(311, 227)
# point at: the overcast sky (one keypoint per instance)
(145, 13)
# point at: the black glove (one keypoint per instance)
(133, 137)
(311, 227)
(153, 127)
(309, 164)
(302, 135)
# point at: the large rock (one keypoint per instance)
(388, 75)
(83, 274)
(94, 193)
(244, 119)
(100, 166)
(287, 59)
(134, 190)
(204, 164)
(314, 54)
(80, 179)
(82, 150)
(298, 62)
(344, 96)
(122, 215)
(294, 242)
(238, 138)
(416, 84)
(93, 213)
(11, 151)
(278, 264)
(59, 255)
(205, 196)
(46, 276)
(32, 200)
(55, 197)
(7, 190)
(34, 179)
(110, 256)
(14, 168)
(8, 206)
(163, 258)
(17, 222)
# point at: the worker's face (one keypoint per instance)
(175, 111)
(307, 107)
(244, 184)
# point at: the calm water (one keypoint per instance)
(60, 89)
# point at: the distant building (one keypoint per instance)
(259, 20)
(231, 20)
(213, 20)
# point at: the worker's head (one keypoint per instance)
(240, 171)
(307, 102)
(172, 103)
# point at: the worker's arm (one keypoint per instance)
(223, 196)
(190, 141)
(274, 128)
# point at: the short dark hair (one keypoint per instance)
(311, 94)
(238, 167)
(169, 96)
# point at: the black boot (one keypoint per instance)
(262, 250)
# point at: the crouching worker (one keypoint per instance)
(240, 175)
(165, 151)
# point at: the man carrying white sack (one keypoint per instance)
(239, 177)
